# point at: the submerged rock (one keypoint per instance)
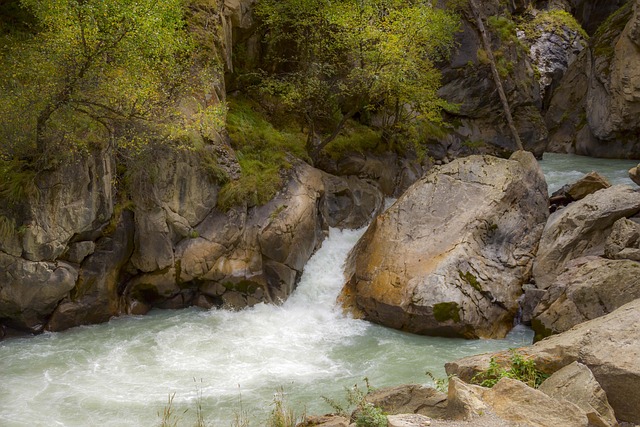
(450, 256)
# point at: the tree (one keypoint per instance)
(88, 71)
(333, 60)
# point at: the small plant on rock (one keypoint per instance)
(521, 369)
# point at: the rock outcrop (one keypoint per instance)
(590, 287)
(596, 107)
(609, 346)
(580, 229)
(624, 240)
(450, 256)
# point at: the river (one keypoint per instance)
(232, 362)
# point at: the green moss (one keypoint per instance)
(504, 27)
(445, 311)
(471, 280)
(243, 286)
(17, 181)
(553, 21)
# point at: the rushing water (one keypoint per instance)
(560, 169)
(121, 373)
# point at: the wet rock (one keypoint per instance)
(590, 287)
(450, 256)
(580, 229)
(350, 202)
(576, 383)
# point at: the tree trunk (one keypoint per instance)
(496, 76)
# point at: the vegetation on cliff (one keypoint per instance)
(332, 61)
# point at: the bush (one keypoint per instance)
(521, 369)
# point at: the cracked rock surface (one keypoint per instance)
(450, 256)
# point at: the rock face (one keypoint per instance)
(595, 109)
(581, 229)
(480, 126)
(576, 383)
(450, 256)
(608, 345)
(590, 287)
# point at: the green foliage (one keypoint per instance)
(263, 152)
(87, 73)
(504, 27)
(520, 369)
(7, 228)
(17, 181)
(355, 137)
(365, 413)
(281, 415)
(440, 384)
(333, 60)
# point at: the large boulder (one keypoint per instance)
(576, 383)
(590, 287)
(608, 345)
(451, 255)
(580, 229)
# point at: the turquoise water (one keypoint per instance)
(122, 372)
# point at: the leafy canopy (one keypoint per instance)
(87, 71)
(333, 60)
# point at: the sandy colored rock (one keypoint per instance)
(451, 255)
(410, 399)
(576, 383)
(588, 184)
(408, 420)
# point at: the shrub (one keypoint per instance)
(520, 369)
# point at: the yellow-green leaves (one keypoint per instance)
(333, 60)
(89, 69)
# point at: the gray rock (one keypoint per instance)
(350, 202)
(634, 174)
(450, 256)
(580, 229)
(608, 345)
(590, 287)
(624, 240)
(576, 383)
(528, 301)
(77, 252)
(30, 291)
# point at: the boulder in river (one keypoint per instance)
(624, 240)
(450, 256)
